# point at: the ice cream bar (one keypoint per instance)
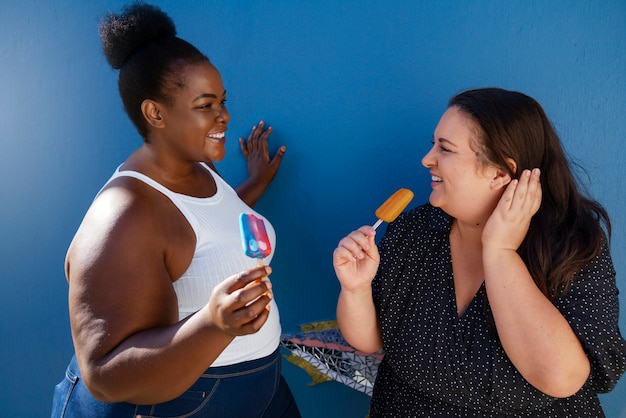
(393, 206)
(254, 238)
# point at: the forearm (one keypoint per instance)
(535, 335)
(251, 190)
(156, 365)
(356, 317)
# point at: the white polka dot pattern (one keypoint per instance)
(439, 365)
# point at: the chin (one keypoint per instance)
(433, 201)
(216, 158)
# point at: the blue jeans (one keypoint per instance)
(250, 389)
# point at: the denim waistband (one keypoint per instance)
(243, 368)
(214, 390)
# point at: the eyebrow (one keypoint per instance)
(447, 141)
(208, 95)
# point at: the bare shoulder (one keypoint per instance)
(119, 283)
(119, 217)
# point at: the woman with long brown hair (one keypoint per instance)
(498, 297)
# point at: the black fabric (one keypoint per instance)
(441, 365)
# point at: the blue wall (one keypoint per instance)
(353, 88)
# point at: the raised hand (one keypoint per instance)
(261, 167)
(508, 224)
(356, 258)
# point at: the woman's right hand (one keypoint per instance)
(240, 304)
(356, 259)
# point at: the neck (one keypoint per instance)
(467, 233)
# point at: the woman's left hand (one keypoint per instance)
(261, 168)
(508, 224)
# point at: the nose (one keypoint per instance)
(428, 160)
(223, 115)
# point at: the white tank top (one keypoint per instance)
(218, 255)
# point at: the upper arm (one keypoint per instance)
(591, 307)
(118, 281)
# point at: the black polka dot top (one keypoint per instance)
(438, 364)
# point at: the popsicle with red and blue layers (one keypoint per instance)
(256, 243)
(393, 206)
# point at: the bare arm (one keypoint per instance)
(356, 260)
(535, 335)
(261, 168)
(129, 343)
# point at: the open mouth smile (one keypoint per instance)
(218, 137)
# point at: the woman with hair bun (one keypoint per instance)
(168, 316)
(497, 298)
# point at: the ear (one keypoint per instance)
(152, 113)
(500, 178)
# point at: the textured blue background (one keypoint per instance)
(353, 88)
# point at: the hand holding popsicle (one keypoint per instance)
(393, 206)
(254, 239)
(356, 258)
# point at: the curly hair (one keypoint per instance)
(141, 43)
(566, 233)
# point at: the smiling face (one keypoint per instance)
(196, 119)
(462, 185)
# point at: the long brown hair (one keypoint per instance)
(566, 233)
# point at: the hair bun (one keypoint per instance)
(138, 25)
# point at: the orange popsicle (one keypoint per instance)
(393, 206)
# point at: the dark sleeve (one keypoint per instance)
(592, 309)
